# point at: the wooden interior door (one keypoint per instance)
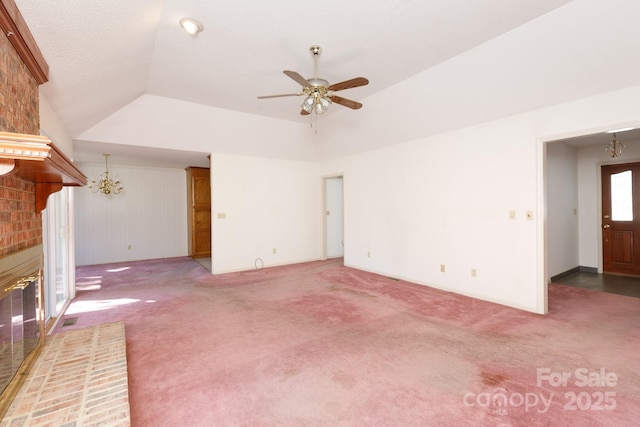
(621, 218)
(199, 215)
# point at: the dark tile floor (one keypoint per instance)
(621, 285)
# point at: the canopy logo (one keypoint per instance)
(498, 401)
(598, 398)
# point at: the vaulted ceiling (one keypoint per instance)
(104, 55)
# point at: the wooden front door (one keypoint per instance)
(621, 218)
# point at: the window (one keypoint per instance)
(59, 269)
(622, 196)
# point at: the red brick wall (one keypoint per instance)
(20, 226)
(19, 100)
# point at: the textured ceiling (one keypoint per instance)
(103, 55)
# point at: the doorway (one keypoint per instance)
(333, 217)
(621, 219)
(199, 212)
(575, 209)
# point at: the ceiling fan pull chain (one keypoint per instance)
(315, 118)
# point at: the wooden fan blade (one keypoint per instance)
(348, 84)
(298, 78)
(279, 96)
(304, 113)
(346, 102)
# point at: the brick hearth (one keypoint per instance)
(79, 379)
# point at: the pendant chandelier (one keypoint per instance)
(614, 147)
(106, 185)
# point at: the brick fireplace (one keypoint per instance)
(31, 168)
(20, 225)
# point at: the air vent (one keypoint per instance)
(69, 321)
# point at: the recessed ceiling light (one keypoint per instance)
(191, 26)
(620, 130)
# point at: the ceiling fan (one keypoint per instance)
(319, 93)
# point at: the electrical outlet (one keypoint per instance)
(369, 254)
(529, 215)
(441, 268)
(512, 214)
(474, 272)
(129, 247)
(274, 250)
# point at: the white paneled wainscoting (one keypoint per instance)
(147, 220)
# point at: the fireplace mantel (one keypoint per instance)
(36, 158)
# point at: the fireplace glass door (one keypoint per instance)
(19, 329)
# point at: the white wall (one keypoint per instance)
(446, 200)
(562, 208)
(150, 215)
(52, 127)
(589, 199)
(267, 204)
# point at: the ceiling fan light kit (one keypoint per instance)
(319, 94)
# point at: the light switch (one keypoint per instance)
(221, 215)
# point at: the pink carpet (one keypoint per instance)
(320, 344)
